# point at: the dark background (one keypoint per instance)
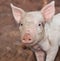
(10, 48)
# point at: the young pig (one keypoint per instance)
(40, 27)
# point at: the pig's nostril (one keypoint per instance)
(29, 39)
(23, 39)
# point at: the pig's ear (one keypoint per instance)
(17, 13)
(48, 11)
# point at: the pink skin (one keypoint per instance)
(27, 38)
(30, 30)
(39, 26)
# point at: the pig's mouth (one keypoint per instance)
(27, 38)
(27, 42)
(32, 43)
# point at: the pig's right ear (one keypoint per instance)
(18, 13)
(48, 11)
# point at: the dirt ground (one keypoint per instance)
(10, 46)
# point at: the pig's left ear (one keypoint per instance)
(48, 11)
(17, 13)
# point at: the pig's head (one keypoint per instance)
(32, 24)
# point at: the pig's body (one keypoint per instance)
(52, 31)
(52, 38)
(40, 27)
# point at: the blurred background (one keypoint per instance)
(10, 47)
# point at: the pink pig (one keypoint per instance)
(40, 27)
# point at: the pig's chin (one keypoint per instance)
(27, 42)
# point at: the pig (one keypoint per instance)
(39, 27)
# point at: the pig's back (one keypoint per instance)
(56, 24)
(56, 20)
(55, 27)
(52, 30)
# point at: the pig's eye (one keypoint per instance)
(20, 24)
(39, 24)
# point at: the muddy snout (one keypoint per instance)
(27, 38)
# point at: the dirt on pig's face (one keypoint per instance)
(31, 28)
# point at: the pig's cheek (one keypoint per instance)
(34, 34)
(39, 34)
(21, 32)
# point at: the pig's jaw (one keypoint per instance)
(26, 42)
(34, 40)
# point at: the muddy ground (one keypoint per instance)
(10, 46)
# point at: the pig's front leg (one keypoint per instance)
(51, 53)
(40, 55)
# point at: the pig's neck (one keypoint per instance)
(36, 46)
(45, 44)
(48, 29)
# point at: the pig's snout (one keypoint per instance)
(27, 38)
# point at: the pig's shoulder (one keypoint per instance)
(57, 15)
(56, 19)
